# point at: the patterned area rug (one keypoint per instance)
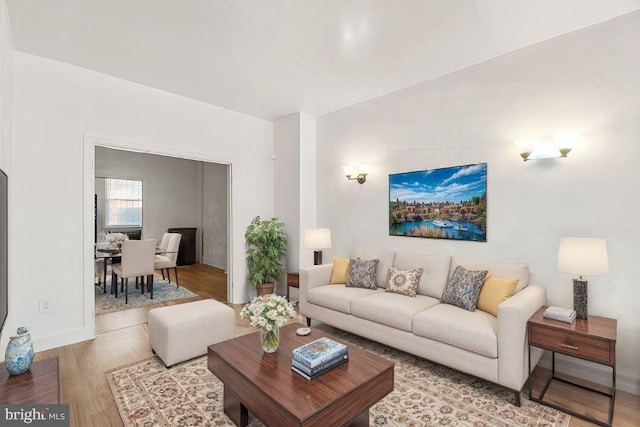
(162, 291)
(425, 394)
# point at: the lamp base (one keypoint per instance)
(317, 257)
(580, 303)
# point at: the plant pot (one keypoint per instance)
(264, 289)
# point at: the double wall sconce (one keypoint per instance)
(559, 146)
(361, 177)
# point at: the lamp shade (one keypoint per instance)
(317, 238)
(583, 256)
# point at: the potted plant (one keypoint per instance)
(266, 244)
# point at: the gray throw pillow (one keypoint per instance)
(463, 288)
(362, 273)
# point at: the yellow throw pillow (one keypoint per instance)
(494, 292)
(340, 272)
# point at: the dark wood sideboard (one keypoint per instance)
(187, 252)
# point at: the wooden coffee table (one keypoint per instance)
(265, 384)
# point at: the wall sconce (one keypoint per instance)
(362, 173)
(559, 146)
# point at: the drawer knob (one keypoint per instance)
(572, 347)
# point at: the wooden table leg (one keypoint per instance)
(361, 420)
(235, 409)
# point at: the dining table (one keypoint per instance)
(113, 256)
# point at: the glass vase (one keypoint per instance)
(270, 339)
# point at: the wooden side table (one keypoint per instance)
(592, 339)
(40, 385)
(293, 281)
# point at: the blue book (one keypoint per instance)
(304, 373)
(320, 368)
(318, 352)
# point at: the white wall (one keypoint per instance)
(286, 191)
(172, 189)
(295, 185)
(214, 214)
(6, 47)
(585, 81)
(55, 106)
(307, 187)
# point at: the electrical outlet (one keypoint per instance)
(46, 305)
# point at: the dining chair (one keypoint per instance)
(98, 272)
(169, 258)
(136, 261)
(99, 268)
(164, 243)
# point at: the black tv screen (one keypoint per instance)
(4, 277)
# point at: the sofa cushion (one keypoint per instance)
(337, 297)
(385, 260)
(500, 269)
(494, 292)
(403, 282)
(463, 288)
(340, 271)
(474, 331)
(393, 310)
(362, 273)
(435, 271)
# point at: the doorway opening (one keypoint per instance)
(179, 192)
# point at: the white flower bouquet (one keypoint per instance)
(116, 238)
(268, 313)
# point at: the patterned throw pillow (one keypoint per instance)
(403, 282)
(362, 273)
(463, 288)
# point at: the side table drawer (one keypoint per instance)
(293, 279)
(574, 345)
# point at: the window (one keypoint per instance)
(123, 202)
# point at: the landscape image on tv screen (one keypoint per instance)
(445, 203)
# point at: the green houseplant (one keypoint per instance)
(266, 244)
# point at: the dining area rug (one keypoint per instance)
(425, 393)
(163, 290)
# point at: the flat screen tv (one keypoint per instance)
(4, 277)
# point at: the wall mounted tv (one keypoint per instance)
(4, 255)
(445, 203)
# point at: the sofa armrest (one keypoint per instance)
(310, 278)
(513, 314)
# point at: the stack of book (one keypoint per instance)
(317, 357)
(559, 313)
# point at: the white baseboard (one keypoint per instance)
(626, 380)
(213, 263)
(67, 337)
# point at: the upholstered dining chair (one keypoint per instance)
(136, 261)
(98, 272)
(164, 243)
(168, 260)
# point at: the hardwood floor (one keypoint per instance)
(121, 338)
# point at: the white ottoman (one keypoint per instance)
(183, 331)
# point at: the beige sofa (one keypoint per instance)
(475, 342)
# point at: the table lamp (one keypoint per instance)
(317, 239)
(582, 256)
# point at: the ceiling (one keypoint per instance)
(273, 58)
